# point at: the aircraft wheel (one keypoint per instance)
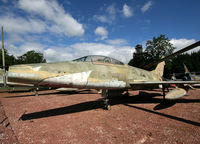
(107, 107)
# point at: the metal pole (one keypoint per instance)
(3, 59)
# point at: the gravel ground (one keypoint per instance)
(7, 135)
(78, 118)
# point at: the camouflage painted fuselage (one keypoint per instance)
(80, 75)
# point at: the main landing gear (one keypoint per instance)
(105, 96)
(163, 89)
(108, 94)
(35, 90)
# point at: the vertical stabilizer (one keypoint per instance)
(186, 69)
(159, 70)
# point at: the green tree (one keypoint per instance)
(155, 49)
(9, 59)
(31, 57)
(192, 61)
(158, 47)
(139, 57)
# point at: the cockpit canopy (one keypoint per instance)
(98, 58)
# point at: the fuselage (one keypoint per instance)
(79, 75)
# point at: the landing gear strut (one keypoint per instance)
(106, 99)
(163, 89)
(35, 91)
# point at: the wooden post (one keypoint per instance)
(3, 59)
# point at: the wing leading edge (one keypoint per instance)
(163, 82)
(147, 85)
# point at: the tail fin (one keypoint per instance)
(160, 69)
(186, 69)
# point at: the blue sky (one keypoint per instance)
(64, 30)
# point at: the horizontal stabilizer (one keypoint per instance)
(175, 94)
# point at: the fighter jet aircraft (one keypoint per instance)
(97, 72)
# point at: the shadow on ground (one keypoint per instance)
(143, 98)
(60, 93)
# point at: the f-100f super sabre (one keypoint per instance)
(97, 72)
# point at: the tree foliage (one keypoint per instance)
(160, 46)
(138, 61)
(31, 57)
(27, 58)
(155, 49)
(9, 59)
(139, 58)
(192, 61)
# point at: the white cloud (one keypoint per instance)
(20, 50)
(102, 18)
(91, 49)
(29, 29)
(55, 13)
(13, 24)
(54, 54)
(14, 38)
(182, 43)
(108, 16)
(102, 32)
(146, 6)
(117, 42)
(122, 53)
(32, 46)
(111, 9)
(111, 12)
(127, 11)
(51, 54)
(4, 1)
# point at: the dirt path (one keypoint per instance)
(54, 117)
(7, 135)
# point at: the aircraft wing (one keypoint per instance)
(158, 84)
(163, 82)
(171, 95)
